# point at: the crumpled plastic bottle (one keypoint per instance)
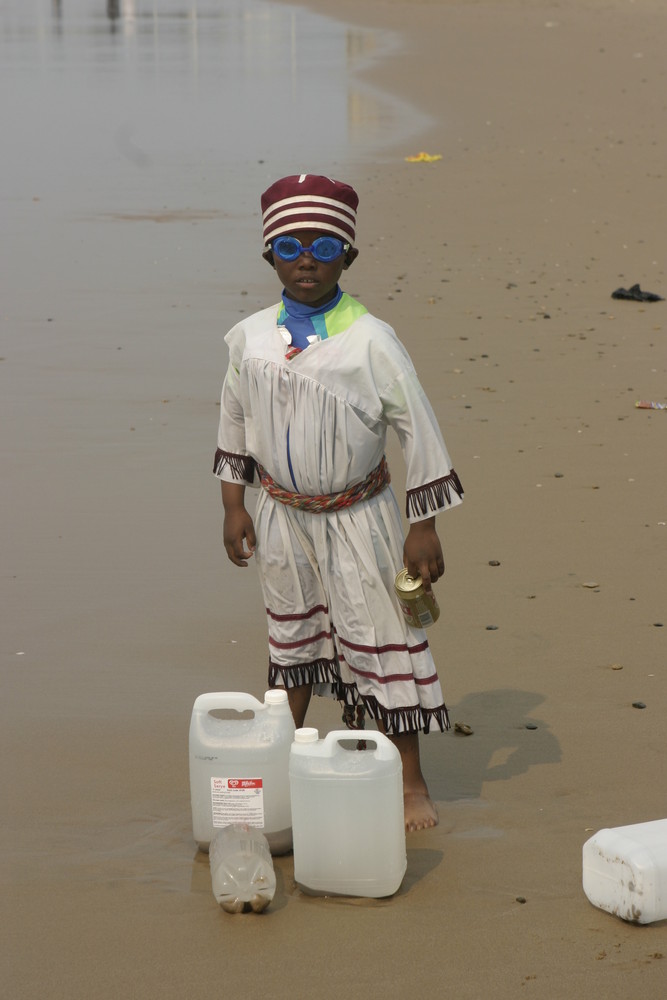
(242, 874)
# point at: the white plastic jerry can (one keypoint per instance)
(625, 871)
(347, 814)
(239, 767)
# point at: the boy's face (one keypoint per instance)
(308, 280)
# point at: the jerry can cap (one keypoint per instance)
(276, 696)
(306, 735)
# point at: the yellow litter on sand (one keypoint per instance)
(423, 158)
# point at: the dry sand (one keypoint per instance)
(495, 264)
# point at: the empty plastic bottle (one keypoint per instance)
(242, 874)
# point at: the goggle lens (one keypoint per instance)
(324, 248)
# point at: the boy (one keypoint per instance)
(312, 385)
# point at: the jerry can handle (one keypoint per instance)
(384, 748)
(237, 700)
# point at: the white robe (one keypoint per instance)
(318, 425)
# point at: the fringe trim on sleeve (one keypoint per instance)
(433, 496)
(241, 466)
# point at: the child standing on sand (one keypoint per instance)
(312, 385)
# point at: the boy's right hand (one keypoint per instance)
(237, 529)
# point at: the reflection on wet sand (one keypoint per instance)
(253, 43)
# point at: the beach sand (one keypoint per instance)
(495, 264)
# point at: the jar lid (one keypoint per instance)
(306, 735)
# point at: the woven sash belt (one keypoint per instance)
(374, 483)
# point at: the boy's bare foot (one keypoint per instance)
(419, 808)
(420, 811)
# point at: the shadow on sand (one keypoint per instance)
(507, 740)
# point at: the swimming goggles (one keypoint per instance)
(325, 248)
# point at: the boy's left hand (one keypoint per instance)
(422, 552)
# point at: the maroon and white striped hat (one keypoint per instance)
(308, 201)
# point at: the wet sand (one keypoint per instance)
(495, 265)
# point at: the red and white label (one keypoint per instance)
(237, 800)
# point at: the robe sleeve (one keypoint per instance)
(232, 462)
(432, 485)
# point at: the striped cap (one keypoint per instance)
(307, 201)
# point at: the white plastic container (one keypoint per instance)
(239, 767)
(347, 814)
(625, 871)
